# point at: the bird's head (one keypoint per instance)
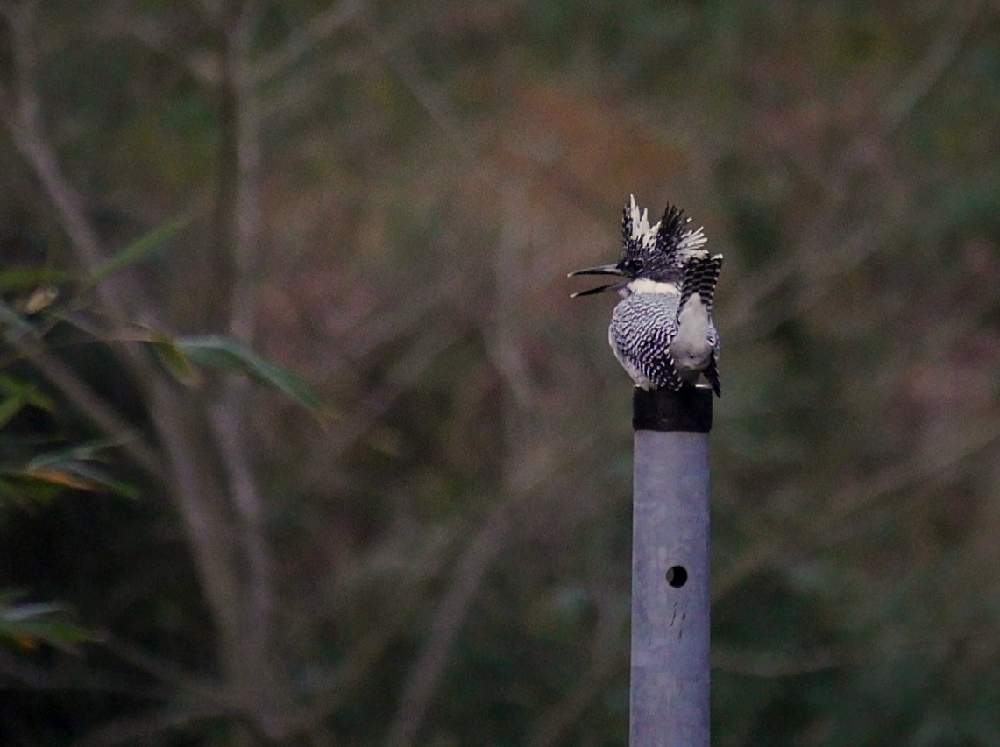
(650, 254)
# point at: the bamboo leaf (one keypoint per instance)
(62, 478)
(9, 408)
(78, 476)
(72, 468)
(31, 624)
(81, 452)
(31, 277)
(25, 612)
(101, 480)
(140, 249)
(227, 354)
(26, 391)
(174, 359)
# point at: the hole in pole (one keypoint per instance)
(677, 576)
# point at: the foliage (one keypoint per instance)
(27, 625)
(386, 197)
(232, 356)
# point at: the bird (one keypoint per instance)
(662, 330)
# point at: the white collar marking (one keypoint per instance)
(645, 285)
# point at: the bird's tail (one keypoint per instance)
(700, 275)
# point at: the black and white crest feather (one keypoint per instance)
(675, 240)
(668, 264)
(638, 237)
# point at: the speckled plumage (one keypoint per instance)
(643, 326)
(663, 331)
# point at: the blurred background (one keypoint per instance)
(302, 441)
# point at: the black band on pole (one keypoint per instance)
(688, 410)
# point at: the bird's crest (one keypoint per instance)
(676, 241)
(637, 235)
(661, 250)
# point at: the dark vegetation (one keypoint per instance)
(428, 543)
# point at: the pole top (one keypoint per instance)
(688, 410)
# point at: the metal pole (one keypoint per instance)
(670, 682)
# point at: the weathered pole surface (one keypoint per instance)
(670, 676)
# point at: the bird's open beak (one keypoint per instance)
(598, 289)
(599, 270)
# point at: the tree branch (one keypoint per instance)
(335, 686)
(520, 476)
(824, 530)
(121, 20)
(449, 617)
(23, 120)
(301, 42)
(900, 103)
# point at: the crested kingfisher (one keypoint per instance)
(662, 331)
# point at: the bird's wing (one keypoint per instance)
(700, 275)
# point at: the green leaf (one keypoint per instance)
(99, 479)
(72, 475)
(30, 277)
(80, 452)
(27, 392)
(27, 625)
(71, 468)
(25, 612)
(20, 394)
(140, 249)
(58, 476)
(9, 408)
(227, 354)
(174, 360)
